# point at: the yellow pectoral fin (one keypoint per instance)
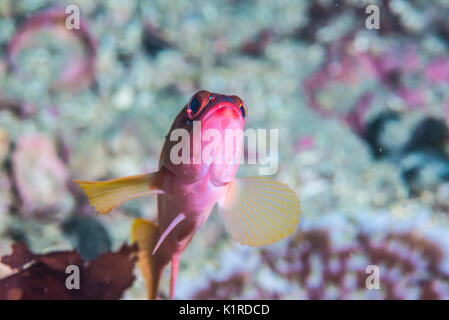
(258, 211)
(145, 233)
(107, 195)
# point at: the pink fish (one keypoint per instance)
(256, 210)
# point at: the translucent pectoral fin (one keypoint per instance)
(258, 211)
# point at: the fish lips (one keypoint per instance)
(218, 103)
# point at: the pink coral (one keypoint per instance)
(438, 70)
(80, 72)
(39, 175)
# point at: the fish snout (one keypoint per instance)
(217, 102)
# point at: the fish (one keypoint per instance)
(256, 211)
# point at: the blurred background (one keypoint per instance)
(362, 118)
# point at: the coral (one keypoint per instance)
(224, 289)
(80, 71)
(410, 265)
(39, 175)
(312, 265)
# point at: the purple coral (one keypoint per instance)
(345, 65)
(411, 266)
(231, 287)
(328, 263)
(341, 65)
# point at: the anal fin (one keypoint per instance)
(145, 233)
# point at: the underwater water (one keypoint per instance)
(362, 118)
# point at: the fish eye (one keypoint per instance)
(194, 105)
(197, 103)
(241, 105)
(243, 110)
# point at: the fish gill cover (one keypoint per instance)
(363, 141)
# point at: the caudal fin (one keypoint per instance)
(145, 233)
(107, 195)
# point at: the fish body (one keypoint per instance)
(194, 188)
(257, 211)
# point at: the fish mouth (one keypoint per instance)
(220, 103)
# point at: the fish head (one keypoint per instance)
(210, 139)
